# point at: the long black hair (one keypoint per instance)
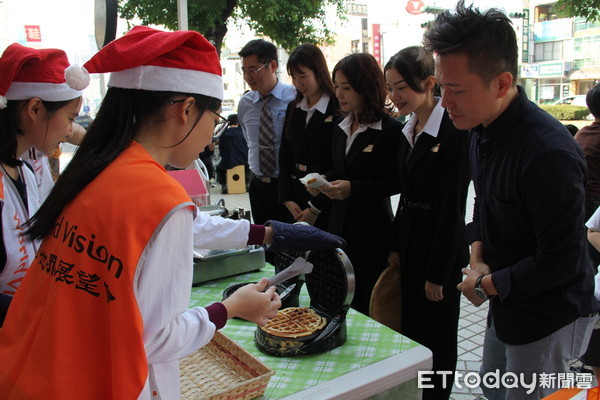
(121, 113)
(9, 127)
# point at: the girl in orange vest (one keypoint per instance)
(103, 312)
(40, 95)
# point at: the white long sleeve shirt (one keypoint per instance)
(163, 287)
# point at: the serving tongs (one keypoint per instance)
(298, 267)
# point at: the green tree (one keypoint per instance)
(588, 9)
(288, 22)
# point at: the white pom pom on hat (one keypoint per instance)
(77, 77)
(150, 59)
(26, 73)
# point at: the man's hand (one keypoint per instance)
(467, 286)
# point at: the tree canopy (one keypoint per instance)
(287, 22)
(588, 9)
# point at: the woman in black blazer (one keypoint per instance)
(306, 141)
(365, 149)
(429, 229)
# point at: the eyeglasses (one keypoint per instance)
(253, 71)
(220, 126)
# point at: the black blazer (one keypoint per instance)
(365, 218)
(429, 228)
(305, 149)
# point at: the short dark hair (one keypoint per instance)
(486, 38)
(310, 56)
(592, 99)
(366, 78)
(233, 119)
(415, 64)
(572, 129)
(265, 51)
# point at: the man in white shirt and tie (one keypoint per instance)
(261, 114)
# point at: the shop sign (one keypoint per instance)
(356, 9)
(551, 69)
(33, 33)
(377, 42)
(530, 71)
(549, 31)
(415, 7)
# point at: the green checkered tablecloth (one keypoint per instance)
(368, 342)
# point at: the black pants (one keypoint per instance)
(434, 325)
(263, 202)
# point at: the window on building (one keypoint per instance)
(548, 51)
(225, 86)
(545, 13)
(581, 24)
(224, 71)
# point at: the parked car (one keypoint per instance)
(578, 100)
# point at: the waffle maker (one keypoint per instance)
(331, 289)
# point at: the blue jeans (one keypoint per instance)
(551, 354)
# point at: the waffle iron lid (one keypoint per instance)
(331, 283)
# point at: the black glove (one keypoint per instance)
(301, 237)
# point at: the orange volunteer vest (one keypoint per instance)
(74, 330)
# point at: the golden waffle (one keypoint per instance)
(294, 322)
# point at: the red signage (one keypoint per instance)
(32, 33)
(377, 42)
(415, 7)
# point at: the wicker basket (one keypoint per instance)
(222, 370)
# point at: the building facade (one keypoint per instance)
(561, 57)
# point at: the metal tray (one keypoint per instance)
(215, 264)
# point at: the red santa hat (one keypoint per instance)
(45, 73)
(149, 59)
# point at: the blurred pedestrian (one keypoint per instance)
(588, 138)
(233, 151)
(572, 129)
(206, 156)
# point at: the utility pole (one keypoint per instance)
(182, 15)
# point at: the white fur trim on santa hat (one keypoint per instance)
(43, 90)
(150, 77)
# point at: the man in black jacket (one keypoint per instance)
(527, 241)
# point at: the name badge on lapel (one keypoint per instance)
(435, 148)
(329, 119)
(368, 149)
